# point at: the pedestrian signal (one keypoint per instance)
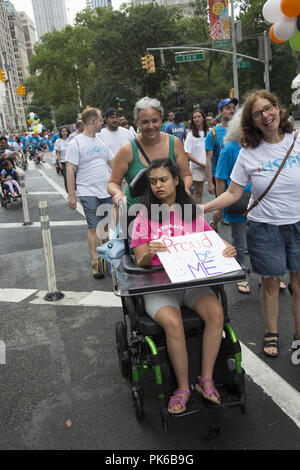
(2, 76)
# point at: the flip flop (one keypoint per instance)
(243, 285)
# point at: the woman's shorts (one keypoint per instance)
(198, 174)
(91, 206)
(186, 297)
(274, 249)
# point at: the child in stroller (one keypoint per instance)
(9, 177)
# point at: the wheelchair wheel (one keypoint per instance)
(122, 349)
(138, 402)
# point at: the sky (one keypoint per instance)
(73, 6)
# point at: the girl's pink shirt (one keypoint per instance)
(145, 230)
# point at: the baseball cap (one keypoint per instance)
(227, 101)
(110, 112)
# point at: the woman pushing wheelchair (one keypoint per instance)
(166, 191)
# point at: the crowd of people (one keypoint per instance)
(239, 155)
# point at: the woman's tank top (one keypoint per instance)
(136, 165)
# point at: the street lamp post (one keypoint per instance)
(234, 57)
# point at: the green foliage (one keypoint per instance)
(98, 60)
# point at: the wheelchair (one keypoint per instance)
(6, 196)
(141, 343)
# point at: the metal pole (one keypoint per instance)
(234, 62)
(24, 201)
(266, 57)
(53, 294)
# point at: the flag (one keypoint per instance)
(219, 20)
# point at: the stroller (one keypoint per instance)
(141, 343)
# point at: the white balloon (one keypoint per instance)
(272, 11)
(296, 82)
(39, 128)
(285, 29)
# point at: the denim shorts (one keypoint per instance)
(90, 206)
(274, 249)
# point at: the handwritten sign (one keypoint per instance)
(195, 256)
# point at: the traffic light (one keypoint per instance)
(232, 93)
(21, 90)
(151, 64)
(2, 76)
(145, 64)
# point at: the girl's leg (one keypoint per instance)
(210, 310)
(198, 185)
(169, 318)
(10, 185)
(16, 184)
(269, 302)
(295, 283)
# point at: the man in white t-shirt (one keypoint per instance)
(89, 161)
(113, 135)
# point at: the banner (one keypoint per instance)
(195, 256)
(219, 20)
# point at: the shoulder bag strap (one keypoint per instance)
(142, 151)
(274, 178)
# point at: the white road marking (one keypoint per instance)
(15, 295)
(41, 193)
(61, 191)
(82, 299)
(281, 392)
(58, 223)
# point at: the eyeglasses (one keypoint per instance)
(266, 109)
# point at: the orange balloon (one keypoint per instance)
(36, 133)
(273, 37)
(290, 8)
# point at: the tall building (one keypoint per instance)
(98, 3)
(49, 15)
(12, 115)
(29, 32)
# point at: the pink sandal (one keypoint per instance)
(210, 393)
(178, 400)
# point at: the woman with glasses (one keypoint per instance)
(274, 224)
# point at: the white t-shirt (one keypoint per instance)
(281, 205)
(91, 156)
(61, 145)
(196, 146)
(115, 139)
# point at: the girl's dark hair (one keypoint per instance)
(63, 127)
(182, 198)
(193, 126)
(250, 135)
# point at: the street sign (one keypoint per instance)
(222, 44)
(189, 58)
(243, 65)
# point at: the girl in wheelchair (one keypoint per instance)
(8, 178)
(166, 189)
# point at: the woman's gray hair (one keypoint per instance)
(147, 102)
(233, 128)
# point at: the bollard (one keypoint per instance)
(24, 201)
(53, 293)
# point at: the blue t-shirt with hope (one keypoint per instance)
(179, 130)
(210, 145)
(226, 162)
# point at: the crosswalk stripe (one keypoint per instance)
(15, 295)
(58, 223)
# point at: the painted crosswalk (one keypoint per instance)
(71, 298)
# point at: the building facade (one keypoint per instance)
(98, 3)
(12, 113)
(29, 32)
(49, 15)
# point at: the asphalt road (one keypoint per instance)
(61, 386)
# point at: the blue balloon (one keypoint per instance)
(298, 23)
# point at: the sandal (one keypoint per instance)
(177, 399)
(271, 343)
(210, 393)
(243, 287)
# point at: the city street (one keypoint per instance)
(61, 386)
